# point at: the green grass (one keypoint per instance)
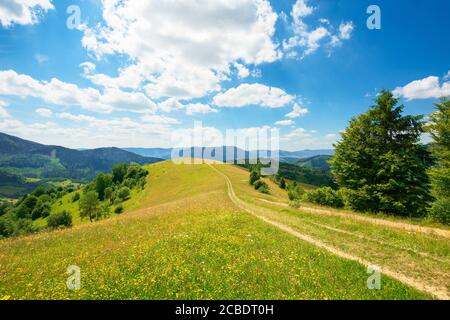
(183, 239)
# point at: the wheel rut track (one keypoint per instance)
(438, 292)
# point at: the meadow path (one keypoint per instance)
(437, 289)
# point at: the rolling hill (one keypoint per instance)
(202, 232)
(319, 162)
(27, 159)
(226, 241)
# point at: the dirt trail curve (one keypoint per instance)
(377, 221)
(438, 292)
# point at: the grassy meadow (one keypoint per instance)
(183, 238)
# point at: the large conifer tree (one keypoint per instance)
(381, 159)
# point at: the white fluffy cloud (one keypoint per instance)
(66, 94)
(300, 138)
(253, 94)
(157, 119)
(3, 112)
(182, 49)
(22, 11)
(193, 108)
(285, 123)
(308, 38)
(82, 131)
(426, 88)
(345, 30)
(44, 112)
(243, 71)
(297, 112)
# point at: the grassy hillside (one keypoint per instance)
(184, 238)
(316, 162)
(27, 159)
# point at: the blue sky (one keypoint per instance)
(131, 73)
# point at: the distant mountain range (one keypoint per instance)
(285, 156)
(24, 164)
(23, 159)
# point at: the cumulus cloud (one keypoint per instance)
(310, 39)
(345, 30)
(253, 94)
(44, 112)
(301, 138)
(151, 118)
(66, 94)
(242, 70)
(426, 88)
(193, 108)
(285, 123)
(83, 131)
(297, 112)
(23, 12)
(183, 49)
(3, 112)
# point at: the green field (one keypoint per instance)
(202, 232)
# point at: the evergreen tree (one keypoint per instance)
(381, 159)
(439, 129)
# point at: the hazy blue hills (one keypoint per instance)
(233, 152)
(24, 162)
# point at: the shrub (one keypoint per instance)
(61, 219)
(254, 176)
(76, 197)
(124, 193)
(282, 183)
(440, 211)
(360, 200)
(296, 203)
(108, 193)
(261, 186)
(295, 192)
(24, 226)
(4, 208)
(6, 227)
(118, 209)
(325, 196)
(42, 210)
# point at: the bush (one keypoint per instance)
(118, 209)
(61, 219)
(295, 192)
(296, 203)
(357, 200)
(42, 210)
(325, 196)
(261, 186)
(76, 197)
(255, 175)
(124, 193)
(282, 183)
(6, 227)
(440, 211)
